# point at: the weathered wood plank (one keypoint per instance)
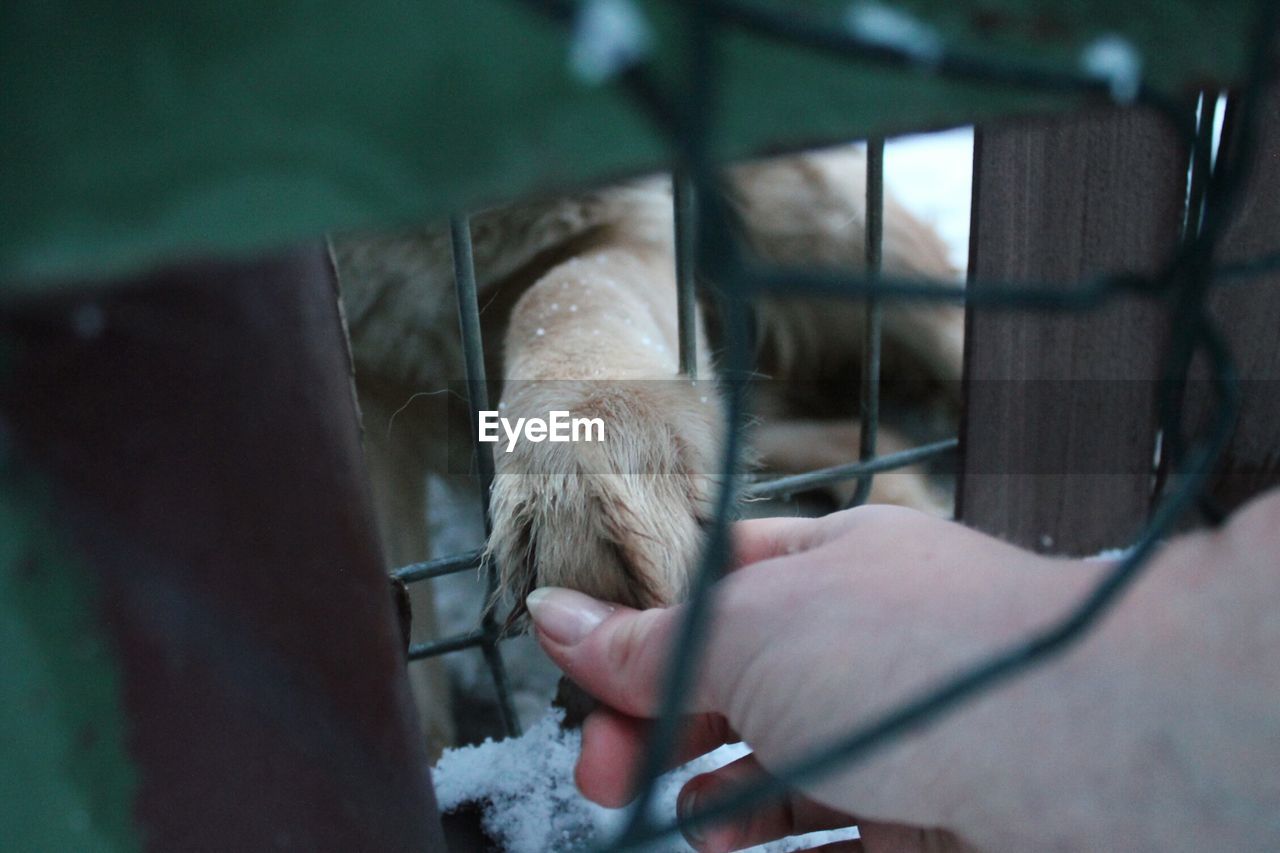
(1059, 424)
(197, 433)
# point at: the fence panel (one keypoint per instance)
(1060, 416)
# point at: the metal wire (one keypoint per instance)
(685, 201)
(716, 255)
(705, 241)
(439, 567)
(869, 400)
(464, 276)
(420, 651)
(785, 487)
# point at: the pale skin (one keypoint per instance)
(1160, 730)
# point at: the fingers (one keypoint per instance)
(616, 654)
(766, 538)
(613, 745)
(761, 539)
(619, 655)
(896, 838)
(794, 815)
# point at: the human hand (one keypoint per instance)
(822, 625)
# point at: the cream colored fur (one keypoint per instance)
(580, 291)
(620, 519)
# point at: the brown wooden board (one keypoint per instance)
(1060, 418)
(198, 433)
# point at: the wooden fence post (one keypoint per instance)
(1060, 417)
(194, 437)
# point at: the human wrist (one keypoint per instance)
(1179, 729)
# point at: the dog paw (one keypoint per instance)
(620, 518)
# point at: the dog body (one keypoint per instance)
(581, 293)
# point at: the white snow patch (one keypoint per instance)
(1114, 58)
(524, 787)
(893, 28)
(609, 37)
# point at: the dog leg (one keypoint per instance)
(798, 446)
(809, 210)
(621, 518)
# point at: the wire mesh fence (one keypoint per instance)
(710, 256)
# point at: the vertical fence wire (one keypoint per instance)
(717, 259)
(685, 204)
(869, 398)
(1199, 171)
(464, 276)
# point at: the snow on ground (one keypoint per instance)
(530, 804)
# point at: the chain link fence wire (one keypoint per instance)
(709, 254)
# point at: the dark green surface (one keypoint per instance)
(138, 133)
(67, 782)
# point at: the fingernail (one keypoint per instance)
(563, 615)
(686, 805)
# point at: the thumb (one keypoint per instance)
(616, 654)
